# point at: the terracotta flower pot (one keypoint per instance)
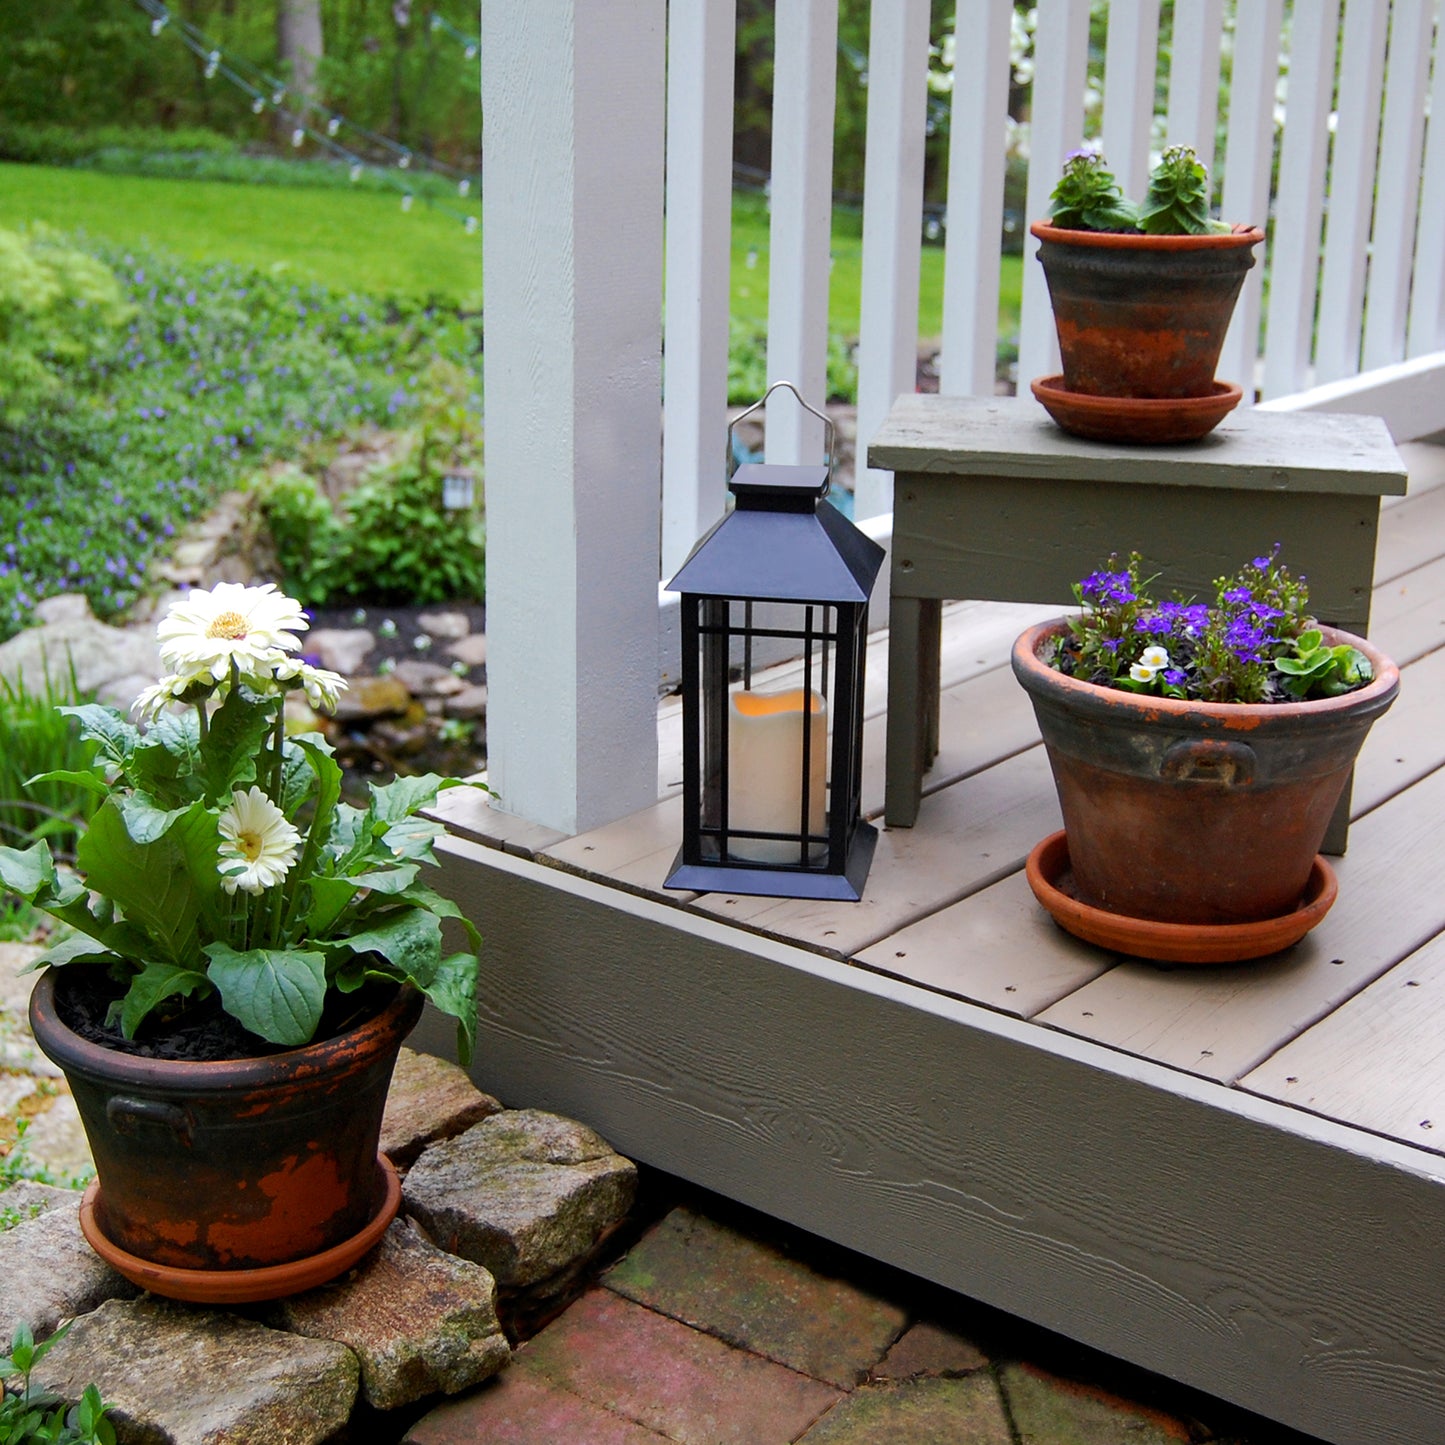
(1142, 316)
(243, 1165)
(1193, 812)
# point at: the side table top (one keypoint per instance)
(1008, 436)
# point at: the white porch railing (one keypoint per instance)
(1354, 266)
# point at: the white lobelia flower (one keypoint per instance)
(323, 688)
(253, 626)
(258, 844)
(1140, 672)
(1154, 658)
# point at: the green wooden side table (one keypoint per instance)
(993, 502)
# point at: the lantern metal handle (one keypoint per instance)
(763, 401)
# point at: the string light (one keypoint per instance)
(263, 86)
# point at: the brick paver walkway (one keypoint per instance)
(720, 1327)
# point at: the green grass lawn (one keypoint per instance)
(350, 240)
(362, 241)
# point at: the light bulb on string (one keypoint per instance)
(470, 225)
(404, 161)
(258, 105)
(406, 202)
(278, 95)
(213, 64)
(471, 52)
(297, 136)
(333, 125)
(436, 21)
(464, 186)
(356, 170)
(159, 23)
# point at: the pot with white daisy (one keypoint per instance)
(241, 955)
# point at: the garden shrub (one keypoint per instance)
(394, 542)
(59, 309)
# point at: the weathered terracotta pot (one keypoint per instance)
(1142, 316)
(1191, 812)
(241, 1165)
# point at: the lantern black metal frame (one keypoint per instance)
(784, 567)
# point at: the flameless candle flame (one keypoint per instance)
(765, 771)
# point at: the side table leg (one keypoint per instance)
(913, 634)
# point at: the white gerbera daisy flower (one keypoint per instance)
(323, 688)
(258, 844)
(253, 626)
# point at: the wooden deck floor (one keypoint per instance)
(1232, 1175)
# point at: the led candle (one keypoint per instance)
(765, 770)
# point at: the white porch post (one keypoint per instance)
(573, 125)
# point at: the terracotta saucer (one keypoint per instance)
(1051, 880)
(242, 1286)
(1146, 421)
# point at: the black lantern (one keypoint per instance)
(772, 777)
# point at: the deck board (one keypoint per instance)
(1222, 1022)
(1377, 1061)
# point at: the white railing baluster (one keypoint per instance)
(1427, 288)
(1398, 184)
(1194, 78)
(1300, 203)
(699, 218)
(1129, 60)
(977, 151)
(1248, 158)
(804, 68)
(1351, 190)
(1060, 63)
(892, 226)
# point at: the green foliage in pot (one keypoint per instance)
(221, 859)
(1255, 643)
(1088, 198)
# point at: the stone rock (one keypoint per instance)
(525, 1193)
(430, 1099)
(372, 697)
(445, 626)
(428, 679)
(57, 1138)
(64, 607)
(51, 1273)
(470, 702)
(419, 1321)
(1047, 1407)
(471, 650)
(121, 692)
(341, 649)
(26, 1199)
(98, 653)
(182, 1375)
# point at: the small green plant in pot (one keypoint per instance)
(1199, 751)
(238, 935)
(1142, 294)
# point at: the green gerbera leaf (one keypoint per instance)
(155, 983)
(276, 993)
